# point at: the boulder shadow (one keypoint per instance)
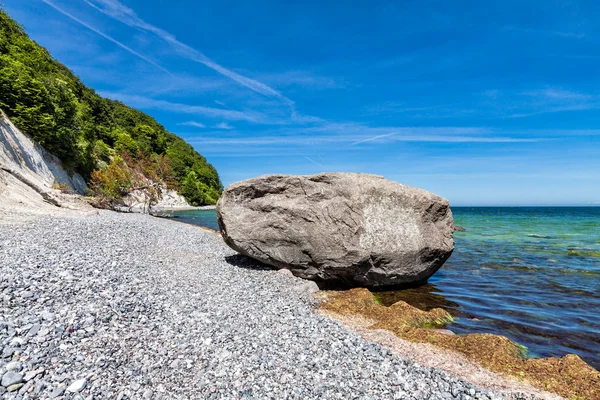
(245, 262)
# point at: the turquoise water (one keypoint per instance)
(206, 218)
(532, 274)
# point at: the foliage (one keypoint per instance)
(197, 192)
(63, 187)
(126, 178)
(46, 100)
(113, 182)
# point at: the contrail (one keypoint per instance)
(314, 162)
(127, 16)
(375, 138)
(121, 45)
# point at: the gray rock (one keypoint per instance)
(77, 386)
(11, 378)
(445, 332)
(358, 229)
(34, 330)
(31, 374)
(14, 366)
(308, 287)
(285, 271)
(57, 392)
(8, 352)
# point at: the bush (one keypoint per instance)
(112, 183)
(146, 176)
(101, 151)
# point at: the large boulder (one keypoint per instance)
(350, 228)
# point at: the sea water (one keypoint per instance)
(531, 274)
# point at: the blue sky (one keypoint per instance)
(484, 103)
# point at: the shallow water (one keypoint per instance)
(205, 218)
(532, 274)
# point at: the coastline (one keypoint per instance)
(181, 208)
(421, 335)
(185, 270)
(429, 355)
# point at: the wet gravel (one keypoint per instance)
(121, 306)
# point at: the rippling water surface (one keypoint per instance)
(205, 218)
(532, 274)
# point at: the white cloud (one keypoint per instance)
(534, 31)
(223, 125)
(557, 94)
(301, 78)
(193, 123)
(149, 103)
(321, 136)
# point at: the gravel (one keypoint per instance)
(121, 306)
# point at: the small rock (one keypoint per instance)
(47, 316)
(43, 332)
(14, 366)
(34, 330)
(59, 391)
(309, 287)
(147, 394)
(445, 332)
(15, 387)
(8, 352)
(11, 378)
(77, 386)
(285, 271)
(32, 374)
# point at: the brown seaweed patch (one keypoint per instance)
(568, 376)
(582, 253)
(423, 297)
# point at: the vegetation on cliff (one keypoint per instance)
(87, 132)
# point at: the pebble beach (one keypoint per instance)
(127, 306)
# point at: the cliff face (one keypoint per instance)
(27, 160)
(29, 173)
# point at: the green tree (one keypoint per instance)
(197, 192)
(124, 142)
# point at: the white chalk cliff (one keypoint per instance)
(28, 173)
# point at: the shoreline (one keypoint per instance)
(451, 362)
(403, 326)
(167, 248)
(182, 208)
